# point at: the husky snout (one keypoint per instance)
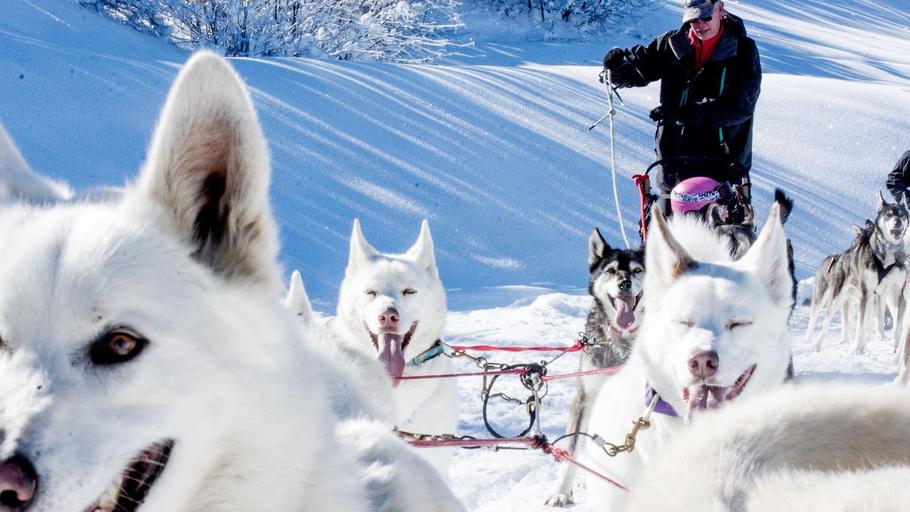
(18, 483)
(388, 320)
(704, 364)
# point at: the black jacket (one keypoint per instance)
(899, 179)
(706, 113)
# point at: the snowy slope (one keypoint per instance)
(497, 156)
(493, 148)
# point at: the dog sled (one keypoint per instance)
(735, 197)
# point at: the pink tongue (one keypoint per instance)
(390, 355)
(702, 396)
(625, 311)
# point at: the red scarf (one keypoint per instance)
(704, 49)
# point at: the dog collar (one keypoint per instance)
(661, 407)
(433, 352)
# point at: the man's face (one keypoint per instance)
(708, 29)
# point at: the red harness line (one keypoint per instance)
(514, 371)
(493, 348)
(558, 454)
(562, 455)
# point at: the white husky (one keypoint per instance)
(834, 447)
(145, 363)
(392, 310)
(715, 329)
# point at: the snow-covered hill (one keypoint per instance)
(493, 149)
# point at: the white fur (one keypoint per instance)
(832, 447)
(421, 406)
(253, 412)
(297, 300)
(690, 303)
(18, 183)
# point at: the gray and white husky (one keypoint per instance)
(145, 363)
(865, 280)
(714, 330)
(615, 285)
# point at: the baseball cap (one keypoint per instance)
(697, 9)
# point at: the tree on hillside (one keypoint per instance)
(383, 30)
(583, 15)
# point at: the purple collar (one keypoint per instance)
(661, 407)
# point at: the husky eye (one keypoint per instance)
(637, 270)
(733, 324)
(610, 270)
(684, 323)
(408, 291)
(371, 293)
(116, 346)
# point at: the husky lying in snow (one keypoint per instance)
(874, 267)
(145, 363)
(615, 284)
(391, 311)
(831, 447)
(714, 330)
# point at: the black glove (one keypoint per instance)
(615, 58)
(657, 114)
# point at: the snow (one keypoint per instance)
(493, 148)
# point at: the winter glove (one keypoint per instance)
(657, 114)
(615, 58)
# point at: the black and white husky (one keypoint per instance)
(873, 266)
(615, 285)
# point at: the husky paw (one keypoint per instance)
(560, 500)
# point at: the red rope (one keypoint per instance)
(610, 369)
(535, 442)
(494, 348)
(562, 455)
(515, 371)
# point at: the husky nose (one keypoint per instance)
(388, 320)
(704, 364)
(625, 286)
(18, 482)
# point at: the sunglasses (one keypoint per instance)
(706, 19)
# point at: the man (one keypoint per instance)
(899, 178)
(710, 81)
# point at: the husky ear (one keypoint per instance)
(714, 217)
(881, 200)
(597, 249)
(769, 257)
(665, 258)
(18, 183)
(422, 250)
(208, 166)
(361, 251)
(297, 301)
(857, 231)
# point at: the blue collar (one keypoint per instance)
(661, 407)
(435, 350)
